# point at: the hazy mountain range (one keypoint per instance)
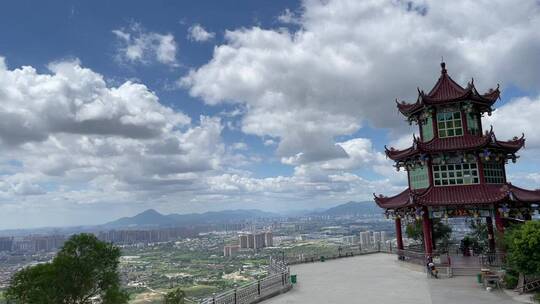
(352, 208)
(152, 218)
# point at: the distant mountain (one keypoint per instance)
(146, 218)
(352, 208)
(152, 218)
(225, 216)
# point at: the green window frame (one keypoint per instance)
(418, 177)
(494, 172)
(449, 124)
(472, 124)
(455, 174)
(427, 129)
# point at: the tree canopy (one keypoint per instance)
(523, 247)
(441, 231)
(176, 296)
(84, 271)
(478, 237)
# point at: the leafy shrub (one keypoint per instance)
(511, 279)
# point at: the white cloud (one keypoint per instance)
(74, 99)
(240, 146)
(289, 17)
(269, 142)
(138, 45)
(516, 117)
(198, 33)
(80, 141)
(350, 59)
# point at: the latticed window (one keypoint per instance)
(418, 177)
(472, 124)
(455, 174)
(449, 124)
(427, 129)
(494, 172)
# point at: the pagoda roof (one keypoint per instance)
(458, 143)
(447, 91)
(458, 195)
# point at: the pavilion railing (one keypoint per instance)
(492, 259)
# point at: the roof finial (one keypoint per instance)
(443, 66)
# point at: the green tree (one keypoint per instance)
(34, 285)
(85, 269)
(478, 236)
(176, 296)
(441, 231)
(523, 247)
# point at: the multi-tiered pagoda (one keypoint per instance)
(456, 168)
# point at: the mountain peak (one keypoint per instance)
(150, 212)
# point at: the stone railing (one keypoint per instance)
(277, 282)
(339, 252)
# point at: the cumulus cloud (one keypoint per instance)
(74, 99)
(350, 59)
(516, 117)
(136, 45)
(68, 135)
(289, 17)
(198, 33)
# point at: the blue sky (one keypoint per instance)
(207, 105)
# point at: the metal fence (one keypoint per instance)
(277, 281)
(339, 252)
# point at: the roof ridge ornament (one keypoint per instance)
(443, 67)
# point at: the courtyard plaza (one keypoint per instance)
(381, 278)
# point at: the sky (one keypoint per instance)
(108, 108)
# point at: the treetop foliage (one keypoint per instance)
(84, 271)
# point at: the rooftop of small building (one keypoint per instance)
(380, 278)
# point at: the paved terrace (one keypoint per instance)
(380, 278)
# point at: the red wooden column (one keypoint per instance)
(433, 242)
(426, 228)
(491, 235)
(499, 221)
(399, 235)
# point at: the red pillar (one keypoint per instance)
(426, 228)
(399, 235)
(433, 241)
(499, 221)
(491, 235)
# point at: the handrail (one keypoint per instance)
(276, 282)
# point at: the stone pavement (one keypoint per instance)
(380, 278)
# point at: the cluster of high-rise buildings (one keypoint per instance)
(366, 238)
(250, 241)
(33, 243)
(126, 237)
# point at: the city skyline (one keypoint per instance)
(109, 109)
